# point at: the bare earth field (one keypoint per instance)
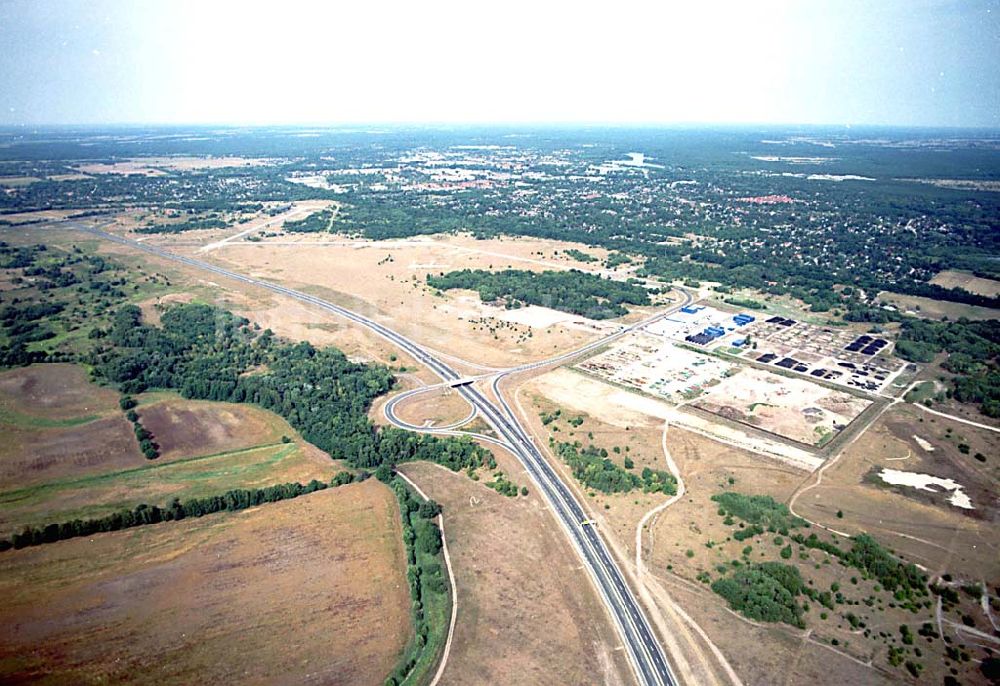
(166, 604)
(196, 427)
(56, 423)
(52, 392)
(527, 613)
(968, 282)
(798, 410)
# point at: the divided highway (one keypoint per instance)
(644, 650)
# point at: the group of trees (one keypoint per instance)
(143, 514)
(592, 467)
(56, 292)
(150, 449)
(760, 511)
(766, 592)
(571, 291)
(314, 223)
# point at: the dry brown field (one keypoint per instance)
(527, 612)
(18, 181)
(921, 525)
(305, 590)
(968, 282)
(70, 452)
(937, 309)
(54, 392)
(360, 274)
(184, 428)
(56, 423)
(434, 408)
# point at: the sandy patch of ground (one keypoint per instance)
(537, 317)
(125, 168)
(527, 612)
(166, 604)
(623, 408)
(296, 211)
(931, 484)
(155, 166)
(793, 408)
(968, 282)
(67, 177)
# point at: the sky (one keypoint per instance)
(823, 62)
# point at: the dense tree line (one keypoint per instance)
(143, 514)
(424, 574)
(181, 227)
(147, 446)
(572, 291)
(209, 354)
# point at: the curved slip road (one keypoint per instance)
(644, 649)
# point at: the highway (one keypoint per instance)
(645, 651)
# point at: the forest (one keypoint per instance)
(571, 291)
(973, 356)
(207, 353)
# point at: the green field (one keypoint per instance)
(156, 483)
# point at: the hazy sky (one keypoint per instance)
(909, 62)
